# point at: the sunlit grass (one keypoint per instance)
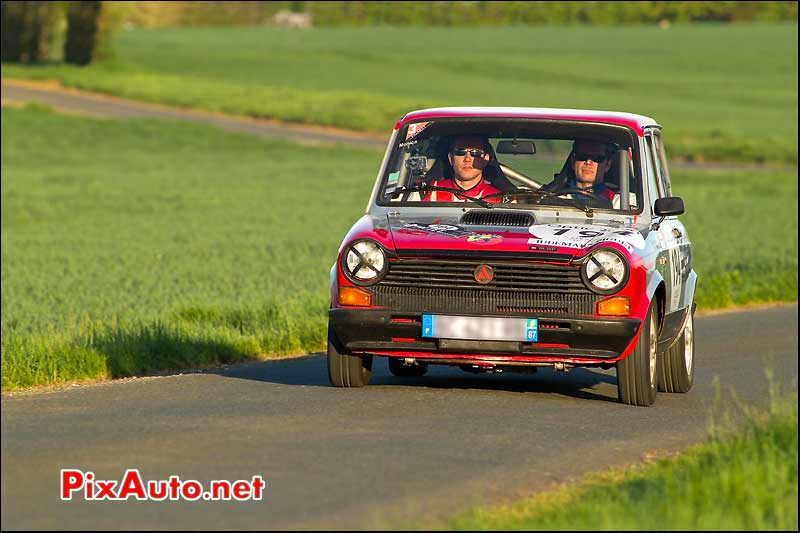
(743, 228)
(722, 92)
(743, 478)
(141, 245)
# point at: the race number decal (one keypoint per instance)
(577, 236)
(676, 273)
(414, 129)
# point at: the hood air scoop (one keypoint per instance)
(497, 218)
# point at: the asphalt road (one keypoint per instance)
(359, 458)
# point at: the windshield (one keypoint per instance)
(519, 163)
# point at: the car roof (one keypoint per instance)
(635, 122)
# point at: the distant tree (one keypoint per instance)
(26, 30)
(82, 23)
(459, 13)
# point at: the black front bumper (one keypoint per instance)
(365, 330)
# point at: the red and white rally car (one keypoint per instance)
(501, 239)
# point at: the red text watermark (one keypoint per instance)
(85, 485)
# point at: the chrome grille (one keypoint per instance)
(448, 286)
(508, 276)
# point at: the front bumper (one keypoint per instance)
(388, 332)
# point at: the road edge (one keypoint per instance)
(263, 358)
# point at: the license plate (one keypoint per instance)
(480, 328)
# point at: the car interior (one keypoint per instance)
(423, 159)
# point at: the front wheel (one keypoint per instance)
(346, 370)
(636, 374)
(677, 370)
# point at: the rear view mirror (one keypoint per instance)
(516, 147)
(670, 206)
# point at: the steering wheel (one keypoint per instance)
(602, 201)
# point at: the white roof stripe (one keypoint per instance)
(536, 112)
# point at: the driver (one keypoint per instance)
(589, 163)
(468, 155)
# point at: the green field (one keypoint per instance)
(722, 92)
(744, 478)
(743, 228)
(138, 245)
(132, 246)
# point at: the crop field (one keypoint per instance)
(145, 245)
(722, 92)
(743, 228)
(133, 246)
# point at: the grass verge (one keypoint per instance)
(743, 478)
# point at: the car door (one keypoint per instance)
(682, 252)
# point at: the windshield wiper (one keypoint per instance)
(541, 195)
(426, 188)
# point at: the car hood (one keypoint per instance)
(415, 234)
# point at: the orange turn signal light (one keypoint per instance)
(616, 306)
(354, 296)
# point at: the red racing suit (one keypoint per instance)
(479, 190)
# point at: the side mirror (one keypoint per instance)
(671, 206)
(516, 147)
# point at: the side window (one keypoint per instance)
(652, 153)
(661, 160)
(653, 179)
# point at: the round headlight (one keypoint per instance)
(605, 271)
(364, 262)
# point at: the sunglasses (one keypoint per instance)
(597, 158)
(473, 153)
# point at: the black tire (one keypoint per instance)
(637, 373)
(346, 370)
(677, 364)
(399, 369)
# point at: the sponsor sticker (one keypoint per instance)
(408, 144)
(485, 238)
(414, 129)
(437, 229)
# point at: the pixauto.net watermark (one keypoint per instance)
(85, 485)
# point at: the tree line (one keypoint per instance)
(449, 13)
(28, 29)
(331, 13)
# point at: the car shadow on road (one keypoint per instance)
(312, 371)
